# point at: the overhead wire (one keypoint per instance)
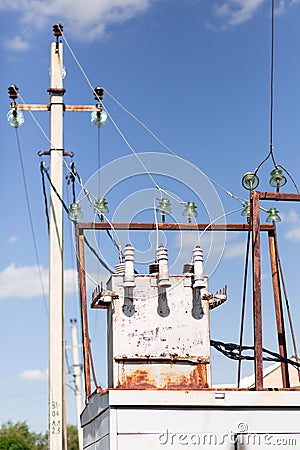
(70, 169)
(167, 147)
(139, 121)
(271, 149)
(243, 306)
(67, 211)
(218, 218)
(270, 153)
(290, 176)
(31, 220)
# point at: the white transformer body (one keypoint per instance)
(159, 393)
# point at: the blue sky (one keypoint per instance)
(197, 73)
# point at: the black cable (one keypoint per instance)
(67, 362)
(230, 350)
(272, 82)
(97, 256)
(243, 307)
(67, 210)
(72, 180)
(271, 92)
(45, 196)
(291, 178)
(121, 256)
(30, 220)
(55, 190)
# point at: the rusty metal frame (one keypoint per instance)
(278, 307)
(79, 232)
(255, 198)
(256, 228)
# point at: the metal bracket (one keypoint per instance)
(48, 152)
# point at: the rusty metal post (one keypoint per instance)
(278, 308)
(257, 310)
(79, 233)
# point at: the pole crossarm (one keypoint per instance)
(169, 226)
(68, 108)
(283, 196)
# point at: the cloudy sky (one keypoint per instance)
(197, 73)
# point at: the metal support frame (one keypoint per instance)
(255, 198)
(257, 315)
(80, 227)
(278, 308)
(79, 233)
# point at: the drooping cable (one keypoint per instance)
(156, 222)
(243, 307)
(73, 264)
(231, 350)
(67, 211)
(218, 218)
(290, 176)
(31, 220)
(45, 196)
(132, 149)
(97, 256)
(55, 190)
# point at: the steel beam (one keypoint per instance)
(278, 308)
(84, 316)
(257, 310)
(279, 196)
(169, 226)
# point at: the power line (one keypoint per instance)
(30, 220)
(140, 122)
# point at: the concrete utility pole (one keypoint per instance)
(77, 379)
(57, 426)
(56, 412)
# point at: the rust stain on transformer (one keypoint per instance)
(139, 379)
(197, 379)
(143, 379)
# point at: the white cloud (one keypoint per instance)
(293, 234)
(24, 282)
(236, 12)
(293, 220)
(235, 250)
(17, 43)
(230, 13)
(34, 375)
(12, 239)
(87, 21)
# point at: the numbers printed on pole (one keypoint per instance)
(56, 425)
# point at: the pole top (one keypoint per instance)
(13, 92)
(57, 30)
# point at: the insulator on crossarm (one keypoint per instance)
(163, 270)
(13, 92)
(199, 281)
(98, 93)
(129, 280)
(57, 29)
